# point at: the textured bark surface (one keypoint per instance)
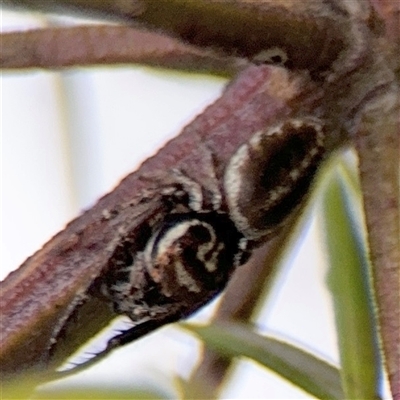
(378, 143)
(311, 38)
(105, 44)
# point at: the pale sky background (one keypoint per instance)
(68, 138)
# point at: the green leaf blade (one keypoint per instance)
(349, 283)
(311, 374)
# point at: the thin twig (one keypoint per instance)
(107, 44)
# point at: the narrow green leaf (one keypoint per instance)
(313, 375)
(349, 283)
(24, 387)
(99, 393)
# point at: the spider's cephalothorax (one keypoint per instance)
(183, 237)
(187, 259)
(192, 253)
(181, 257)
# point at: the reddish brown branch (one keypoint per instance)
(378, 143)
(105, 44)
(314, 34)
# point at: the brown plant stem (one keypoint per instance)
(107, 44)
(378, 144)
(311, 39)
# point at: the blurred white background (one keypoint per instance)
(69, 137)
